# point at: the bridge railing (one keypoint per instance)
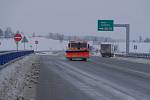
(8, 56)
(135, 55)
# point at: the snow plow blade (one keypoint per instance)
(77, 54)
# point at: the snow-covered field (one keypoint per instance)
(45, 44)
(141, 47)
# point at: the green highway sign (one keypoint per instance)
(105, 25)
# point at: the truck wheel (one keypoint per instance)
(84, 59)
(103, 55)
(69, 58)
(112, 55)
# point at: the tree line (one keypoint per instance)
(62, 37)
(7, 33)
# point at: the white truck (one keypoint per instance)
(107, 50)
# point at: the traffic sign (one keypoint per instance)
(36, 42)
(105, 25)
(24, 40)
(17, 37)
(135, 47)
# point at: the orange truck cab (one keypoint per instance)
(77, 49)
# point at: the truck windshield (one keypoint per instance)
(79, 45)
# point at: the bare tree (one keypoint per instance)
(8, 33)
(140, 38)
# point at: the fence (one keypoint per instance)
(135, 55)
(8, 56)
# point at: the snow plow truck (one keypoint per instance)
(77, 50)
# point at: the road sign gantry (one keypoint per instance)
(108, 25)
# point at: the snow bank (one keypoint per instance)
(15, 78)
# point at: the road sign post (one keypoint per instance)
(24, 40)
(36, 43)
(127, 26)
(17, 46)
(31, 47)
(17, 38)
(135, 48)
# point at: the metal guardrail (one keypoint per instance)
(135, 55)
(6, 57)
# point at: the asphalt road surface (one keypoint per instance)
(97, 79)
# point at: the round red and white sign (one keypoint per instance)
(17, 37)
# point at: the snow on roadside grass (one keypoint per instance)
(13, 78)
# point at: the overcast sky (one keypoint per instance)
(77, 17)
